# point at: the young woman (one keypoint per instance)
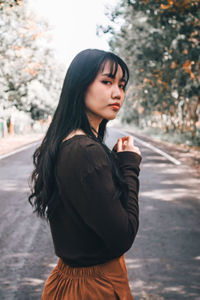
(88, 193)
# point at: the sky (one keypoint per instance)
(73, 24)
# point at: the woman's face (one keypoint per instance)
(102, 93)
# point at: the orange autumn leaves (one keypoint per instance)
(173, 5)
(8, 4)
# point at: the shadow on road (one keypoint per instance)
(165, 258)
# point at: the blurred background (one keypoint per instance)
(38, 41)
(159, 40)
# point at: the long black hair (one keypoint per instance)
(70, 115)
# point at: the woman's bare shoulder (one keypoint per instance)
(73, 133)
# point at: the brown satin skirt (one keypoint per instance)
(108, 281)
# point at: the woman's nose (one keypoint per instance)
(116, 92)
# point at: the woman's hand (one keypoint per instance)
(126, 143)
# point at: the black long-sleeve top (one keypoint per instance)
(90, 226)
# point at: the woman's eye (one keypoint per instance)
(107, 82)
(122, 86)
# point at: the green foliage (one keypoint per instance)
(30, 77)
(160, 42)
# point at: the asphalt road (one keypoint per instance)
(164, 261)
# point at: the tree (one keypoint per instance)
(4, 4)
(160, 42)
(30, 77)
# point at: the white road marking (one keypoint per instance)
(155, 149)
(19, 150)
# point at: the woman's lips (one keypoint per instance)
(115, 106)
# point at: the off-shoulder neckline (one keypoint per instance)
(73, 138)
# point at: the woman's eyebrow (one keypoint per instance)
(112, 76)
(108, 75)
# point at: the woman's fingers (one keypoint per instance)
(137, 150)
(119, 145)
(126, 143)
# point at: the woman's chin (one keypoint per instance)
(110, 116)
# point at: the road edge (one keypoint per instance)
(22, 148)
